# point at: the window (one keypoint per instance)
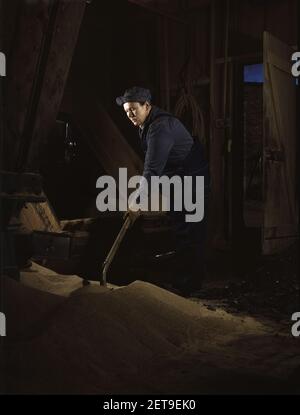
(254, 73)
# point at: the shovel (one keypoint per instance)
(114, 249)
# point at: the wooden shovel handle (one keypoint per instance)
(114, 249)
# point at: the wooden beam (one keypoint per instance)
(103, 136)
(216, 221)
(212, 65)
(30, 28)
(44, 45)
(67, 21)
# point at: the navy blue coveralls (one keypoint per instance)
(171, 150)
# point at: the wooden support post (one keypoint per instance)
(46, 37)
(216, 224)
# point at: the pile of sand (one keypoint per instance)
(45, 279)
(136, 339)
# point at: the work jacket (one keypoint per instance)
(170, 149)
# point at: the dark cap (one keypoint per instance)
(134, 94)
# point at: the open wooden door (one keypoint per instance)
(280, 219)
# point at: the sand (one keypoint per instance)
(63, 337)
